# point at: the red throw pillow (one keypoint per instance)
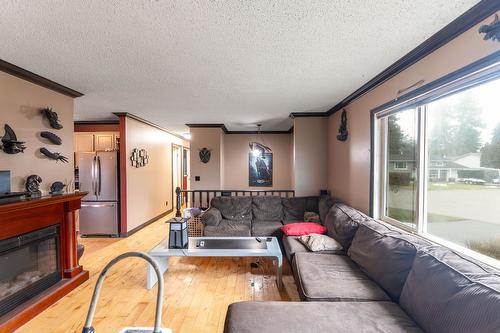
(303, 228)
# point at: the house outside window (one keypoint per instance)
(400, 165)
(437, 165)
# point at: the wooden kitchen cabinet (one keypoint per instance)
(84, 142)
(104, 142)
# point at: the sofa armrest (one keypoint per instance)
(211, 217)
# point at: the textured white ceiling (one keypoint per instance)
(237, 62)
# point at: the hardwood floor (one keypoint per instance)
(197, 290)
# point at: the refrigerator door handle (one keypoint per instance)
(99, 176)
(98, 205)
(93, 171)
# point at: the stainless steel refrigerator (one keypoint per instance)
(98, 175)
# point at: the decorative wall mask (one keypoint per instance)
(343, 133)
(10, 145)
(205, 154)
(33, 185)
(492, 30)
(53, 156)
(52, 117)
(139, 158)
(57, 188)
(51, 137)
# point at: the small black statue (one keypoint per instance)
(343, 133)
(10, 145)
(51, 137)
(52, 117)
(33, 185)
(56, 188)
(492, 30)
(53, 156)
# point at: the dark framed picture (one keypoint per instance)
(260, 169)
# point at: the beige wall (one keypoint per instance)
(149, 188)
(349, 162)
(20, 102)
(210, 173)
(310, 155)
(236, 160)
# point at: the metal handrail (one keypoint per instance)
(87, 328)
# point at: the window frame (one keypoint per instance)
(480, 72)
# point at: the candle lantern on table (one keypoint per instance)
(178, 236)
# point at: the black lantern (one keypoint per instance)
(178, 237)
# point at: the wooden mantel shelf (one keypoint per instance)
(26, 215)
(38, 202)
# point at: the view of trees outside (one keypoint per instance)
(463, 168)
(401, 138)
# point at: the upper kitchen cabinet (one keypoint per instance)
(88, 141)
(104, 142)
(84, 142)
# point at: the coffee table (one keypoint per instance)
(217, 247)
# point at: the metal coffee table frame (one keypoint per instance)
(160, 253)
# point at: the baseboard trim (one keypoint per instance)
(145, 224)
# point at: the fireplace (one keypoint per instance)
(30, 264)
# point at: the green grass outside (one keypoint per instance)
(449, 187)
(406, 215)
(459, 186)
(489, 247)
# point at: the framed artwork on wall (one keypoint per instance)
(260, 169)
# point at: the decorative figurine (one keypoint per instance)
(51, 137)
(57, 188)
(52, 117)
(53, 156)
(205, 155)
(33, 186)
(492, 30)
(10, 145)
(343, 133)
(139, 158)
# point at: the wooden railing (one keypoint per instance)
(201, 198)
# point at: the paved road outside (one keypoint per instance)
(478, 212)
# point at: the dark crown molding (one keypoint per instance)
(464, 22)
(96, 122)
(24, 74)
(147, 122)
(221, 126)
(226, 131)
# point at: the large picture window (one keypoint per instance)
(449, 142)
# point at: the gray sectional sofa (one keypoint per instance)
(385, 280)
(254, 216)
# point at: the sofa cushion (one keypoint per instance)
(234, 208)
(342, 223)
(227, 228)
(303, 228)
(267, 208)
(330, 277)
(212, 216)
(324, 204)
(294, 208)
(266, 228)
(447, 292)
(384, 255)
(292, 245)
(299, 317)
(320, 243)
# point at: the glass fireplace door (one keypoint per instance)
(29, 264)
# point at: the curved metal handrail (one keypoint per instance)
(87, 328)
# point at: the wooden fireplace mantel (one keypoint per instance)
(23, 216)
